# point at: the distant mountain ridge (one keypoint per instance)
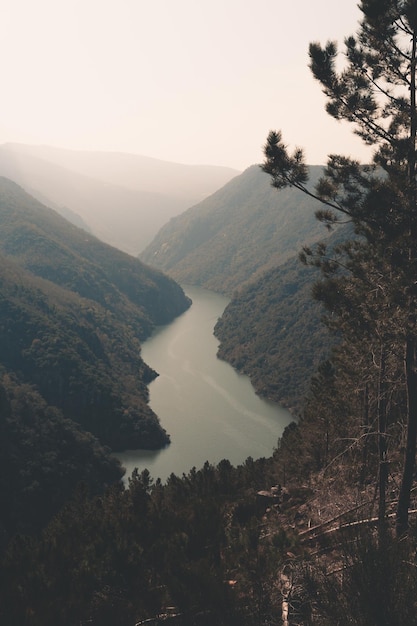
(240, 231)
(122, 198)
(134, 171)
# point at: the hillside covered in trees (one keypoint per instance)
(324, 532)
(244, 241)
(240, 231)
(73, 313)
(272, 331)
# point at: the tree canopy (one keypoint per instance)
(369, 283)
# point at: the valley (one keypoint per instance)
(244, 241)
(208, 372)
(109, 365)
(210, 411)
(123, 199)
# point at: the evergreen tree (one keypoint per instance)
(375, 90)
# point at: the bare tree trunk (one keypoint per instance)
(382, 446)
(410, 450)
(410, 345)
(285, 584)
(366, 440)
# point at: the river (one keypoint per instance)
(210, 411)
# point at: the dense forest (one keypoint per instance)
(322, 533)
(73, 313)
(272, 331)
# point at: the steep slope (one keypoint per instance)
(47, 245)
(244, 241)
(237, 233)
(123, 199)
(272, 331)
(43, 457)
(80, 358)
(73, 311)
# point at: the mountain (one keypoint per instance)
(134, 171)
(73, 311)
(124, 199)
(244, 241)
(237, 233)
(43, 457)
(272, 331)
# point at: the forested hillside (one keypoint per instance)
(272, 331)
(79, 356)
(237, 233)
(324, 532)
(41, 241)
(244, 240)
(43, 458)
(73, 312)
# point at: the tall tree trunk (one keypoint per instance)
(382, 446)
(365, 448)
(410, 450)
(410, 342)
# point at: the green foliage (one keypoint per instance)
(235, 234)
(200, 546)
(80, 357)
(43, 457)
(373, 300)
(128, 555)
(72, 314)
(272, 331)
(43, 242)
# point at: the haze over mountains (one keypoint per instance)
(237, 233)
(123, 199)
(73, 385)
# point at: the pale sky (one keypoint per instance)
(190, 81)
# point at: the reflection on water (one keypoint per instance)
(210, 411)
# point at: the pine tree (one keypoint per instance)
(375, 90)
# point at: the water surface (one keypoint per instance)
(210, 411)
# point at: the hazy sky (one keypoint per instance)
(192, 81)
